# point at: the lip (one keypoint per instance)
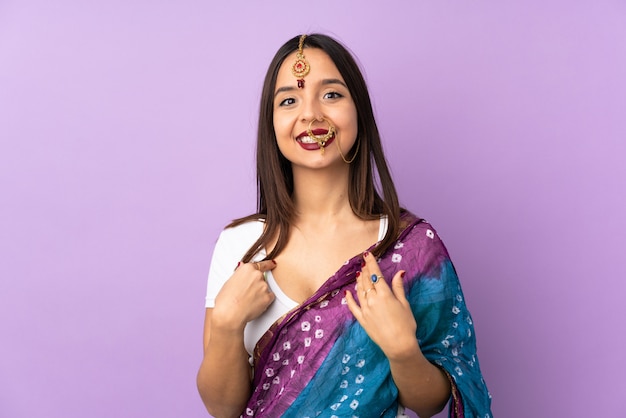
(316, 132)
(314, 145)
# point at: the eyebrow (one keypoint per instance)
(325, 82)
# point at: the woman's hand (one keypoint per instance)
(383, 311)
(244, 297)
(385, 314)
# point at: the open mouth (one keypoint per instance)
(318, 140)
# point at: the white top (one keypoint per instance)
(230, 248)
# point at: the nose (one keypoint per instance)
(310, 110)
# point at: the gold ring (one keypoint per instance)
(257, 266)
(369, 290)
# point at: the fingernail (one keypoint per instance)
(238, 264)
(363, 263)
(366, 253)
(358, 273)
(402, 274)
(273, 261)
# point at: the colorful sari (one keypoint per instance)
(318, 361)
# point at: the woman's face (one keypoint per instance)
(325, 95)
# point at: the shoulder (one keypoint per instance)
(243, 230)
(231, 246)
(240, 238)
(419, 235)
(418, 251)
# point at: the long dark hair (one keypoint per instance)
(274, 175)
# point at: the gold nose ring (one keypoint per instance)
(321, 139)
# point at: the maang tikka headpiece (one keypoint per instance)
(301, 67)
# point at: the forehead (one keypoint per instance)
(322, 66)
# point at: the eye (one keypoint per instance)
(287, 102)
(333, 95)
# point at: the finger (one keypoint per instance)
(264, 265)
(371, 268)
(378, 279)
(374, 274)
(359, 284)
(397, 285)
(353, 306)
(370, 261)
(380, 283)
(363, 285)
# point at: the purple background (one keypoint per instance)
(126, 143)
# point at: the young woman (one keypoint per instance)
(332, 300)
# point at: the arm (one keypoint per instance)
(422, 387)
(224, 376)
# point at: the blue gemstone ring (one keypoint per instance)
(375, 278)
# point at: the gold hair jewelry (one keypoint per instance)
(321, 139)
(301, 67)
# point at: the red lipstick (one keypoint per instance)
(310, 144)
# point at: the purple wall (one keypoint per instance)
(126, 143)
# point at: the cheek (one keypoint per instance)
(284, 144)
(281, 128)
(350, 123)
(347, 116)
(282, 133)
(355, 122)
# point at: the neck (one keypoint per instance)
(322, 194)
